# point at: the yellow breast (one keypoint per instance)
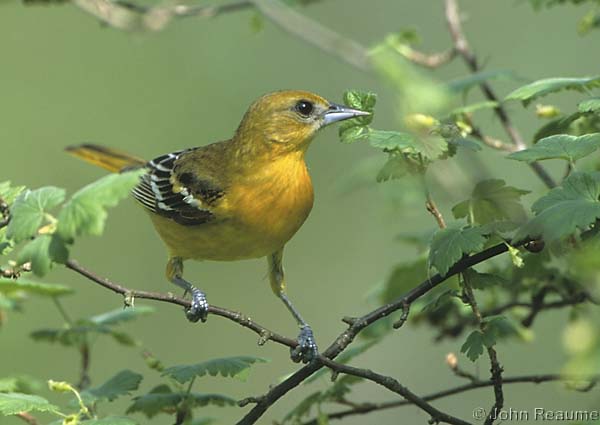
(259, 213)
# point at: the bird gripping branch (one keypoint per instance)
(236, 199)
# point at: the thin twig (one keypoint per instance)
(27, 417)
(264, 333)
(364, 408)
(358, 324)
(495, 368)
(462, 47)
(395, 386)
(431, 60)
(432, 208)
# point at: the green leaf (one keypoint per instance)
(528, 93)
(8, 194)
(473, 346)
(13, 403)
(110, 420)
(557, 126)
(162, 400)
(491, 201)
(483, 281)
(121, 384)
(565, 209)
(235, 367)
(85, 213)
(365, 101)
(450, 244)
(38, 253)
(19, 384)
(391, 141)
(468, 82)
(589, 105)
(354, 134)
(466, 143)
(403, 277)
(32, 287)
(102, 324)
(560, 146)
(121, 315)
(29, 211)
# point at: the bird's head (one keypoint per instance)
(287, 121)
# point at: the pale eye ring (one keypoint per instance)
(304, 108)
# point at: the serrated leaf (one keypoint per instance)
(472, 80)
(8, 194)
(403, 277)
(354, 134)
(450, 244)
(85, 213)
(110, 420)
(13, 403)
(527, 93)
(304, 407)
(19, 384)
(29, 209)
(557, 126)
(589, 105)
(235, 367)
(121, 315)
(560, 146)
(564, 210)
(365, 101)
(391, 141)
(473, 346)
(32, 287)
(37, 252)
(74, 335)
(121, 384)
(466, 143)
(491, 201)
(483, 281)
(162, 400)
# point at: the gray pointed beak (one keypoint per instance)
(337, 113)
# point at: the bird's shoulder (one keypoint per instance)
(185, 186)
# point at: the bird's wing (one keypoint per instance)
(183, 196)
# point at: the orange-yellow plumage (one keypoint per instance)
(241, 198)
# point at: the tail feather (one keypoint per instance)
(110, 159)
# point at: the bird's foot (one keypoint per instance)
(306, 350)
(199, 308)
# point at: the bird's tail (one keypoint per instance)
(110, 159)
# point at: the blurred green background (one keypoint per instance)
(66, 79)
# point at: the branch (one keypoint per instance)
(431, 61)
(462, 47)
(264, 333)
(31, 420)
(365, 408)
(395, 386)
(495, 369)
(527, 321)
(358, 324)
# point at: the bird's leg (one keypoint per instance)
(199, 307)
(307, 347)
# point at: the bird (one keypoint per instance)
(236, 199)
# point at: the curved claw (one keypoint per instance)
(306, 350)
(199, 307)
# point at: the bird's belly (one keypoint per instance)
(255, 232)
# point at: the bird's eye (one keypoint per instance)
(304, 108)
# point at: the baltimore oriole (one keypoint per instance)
(240, 198)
